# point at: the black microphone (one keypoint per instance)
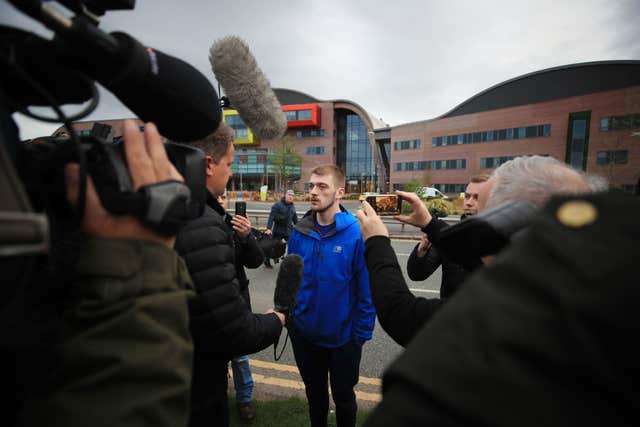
(247, 87)
(288, 284)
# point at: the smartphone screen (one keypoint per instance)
(385, 204)
(241, 208)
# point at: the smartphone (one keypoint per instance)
(241, 208)
(385, 204)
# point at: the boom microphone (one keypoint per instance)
(247, 87)
(288, 284)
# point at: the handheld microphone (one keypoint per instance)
(247, 87)
(288, 284)
(286, 294)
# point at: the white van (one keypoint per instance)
(432, 193)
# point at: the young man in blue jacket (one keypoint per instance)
(334, 315)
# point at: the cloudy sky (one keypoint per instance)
(401, 60)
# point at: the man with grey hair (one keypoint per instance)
(534, 179)
(400, 313)
(221, 324)
(543, 330)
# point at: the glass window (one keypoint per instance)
(290, 115)
(620, 156)
(602, 158)
(304, 115)
(522, 132)
(547, 130)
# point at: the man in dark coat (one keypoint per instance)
(425, 258)
(282, 218)
(541, 337)
(221, 324)
(401, 314)
(544, 330)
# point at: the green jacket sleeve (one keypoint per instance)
(126, 353)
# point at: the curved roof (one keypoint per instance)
(553, 83)
(291, 97)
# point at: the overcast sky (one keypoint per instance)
(402, 61)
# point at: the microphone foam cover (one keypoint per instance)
(288, 283)
(247, 87)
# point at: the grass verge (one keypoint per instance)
(292, 412)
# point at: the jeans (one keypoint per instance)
(242, 379)
(343, 366)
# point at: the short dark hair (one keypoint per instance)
(330, 169)
(481, 177)
(217, 143)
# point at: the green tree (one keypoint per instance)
(413, 186)
(284, 161)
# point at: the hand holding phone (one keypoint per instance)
(241, 208)
(385, 204)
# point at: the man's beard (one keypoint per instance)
(322, 210)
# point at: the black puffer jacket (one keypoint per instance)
(221, 324)
(247, 254)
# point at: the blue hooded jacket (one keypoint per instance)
(334, 303)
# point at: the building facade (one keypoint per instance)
(587, 115)
(319, 132)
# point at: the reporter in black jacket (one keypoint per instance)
(220, 321)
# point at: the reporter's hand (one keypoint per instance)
(267, 231)
(148, 164)
(241, 225)
(420, 216)
(423, 246)
(277, 313)
(370, 223)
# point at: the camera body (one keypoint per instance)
(486, 233)
(163, 207)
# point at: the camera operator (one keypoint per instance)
(121, 350)
(401, 314)
(541, 337)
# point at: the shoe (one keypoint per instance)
(267, 263)
(276, 260)
(246, 412)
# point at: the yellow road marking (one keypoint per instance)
(294, 369)
(299, 385)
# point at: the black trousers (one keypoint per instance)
(318, 364)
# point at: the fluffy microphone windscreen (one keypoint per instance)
(247, 87)
(288, 283)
